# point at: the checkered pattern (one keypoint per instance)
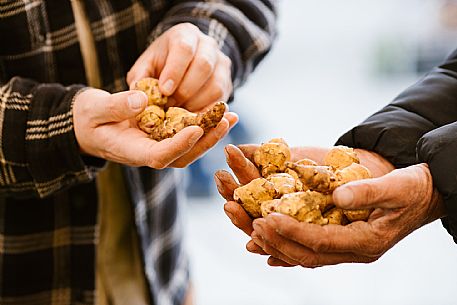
(48, 198)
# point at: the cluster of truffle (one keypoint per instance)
(162, 122)
(301, 189)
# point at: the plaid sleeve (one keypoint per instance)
(38, 150)
(244, 29)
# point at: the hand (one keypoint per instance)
(239, 160)
(190, 67)
(105, 127)
(403, 201)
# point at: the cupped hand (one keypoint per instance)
(240, 160)
(191, 68)
(403, 201)
(105, 127)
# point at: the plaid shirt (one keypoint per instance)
(48, 198)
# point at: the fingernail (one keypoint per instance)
(227, 154)
(345, 197)
(168, 86)
(217, 181)
(137, 100)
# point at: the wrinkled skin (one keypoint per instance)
(403, 201)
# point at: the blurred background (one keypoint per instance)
(333, 64)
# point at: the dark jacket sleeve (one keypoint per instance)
(39, 152)
(244, 29)
(418, 126)
(438, 148)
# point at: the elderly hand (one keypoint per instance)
(190, 66)
(403, 201)
(105, 127)
(239, 160)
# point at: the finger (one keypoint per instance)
(217, 88)
(200, 70)
(309, 259)
(105, 108)
(275, 262)
(232, 117)
(248, 150)
(238, 216)
(181, 51)
(204, 144)
(291, 251)
(258, 238)
(139, 71)
(243, 169)
(357, 237)
(252, 247)
(208, 141)
(143, 66)
(225, 183)
(168, 150)
(386, 192)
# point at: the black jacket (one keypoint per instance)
(420, 125)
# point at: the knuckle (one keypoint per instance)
(225, 60)
(204, 64)
(185, 47)
(156, 163)
(183, 93)
(188, 26)
(269, 248)
(211, 42)
(129, 76)
(371, 192)
(111, 109)
(229, 89)
(217, 92)
(320, 246)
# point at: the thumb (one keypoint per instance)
(120, 106)
(386, 192)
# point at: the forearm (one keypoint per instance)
(419, 126)
(243, 29)
(40, 154)
(438, 149)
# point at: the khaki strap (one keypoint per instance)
(120, 270)
(120, 278)
(87, 44)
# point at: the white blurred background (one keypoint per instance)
(333, 64)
